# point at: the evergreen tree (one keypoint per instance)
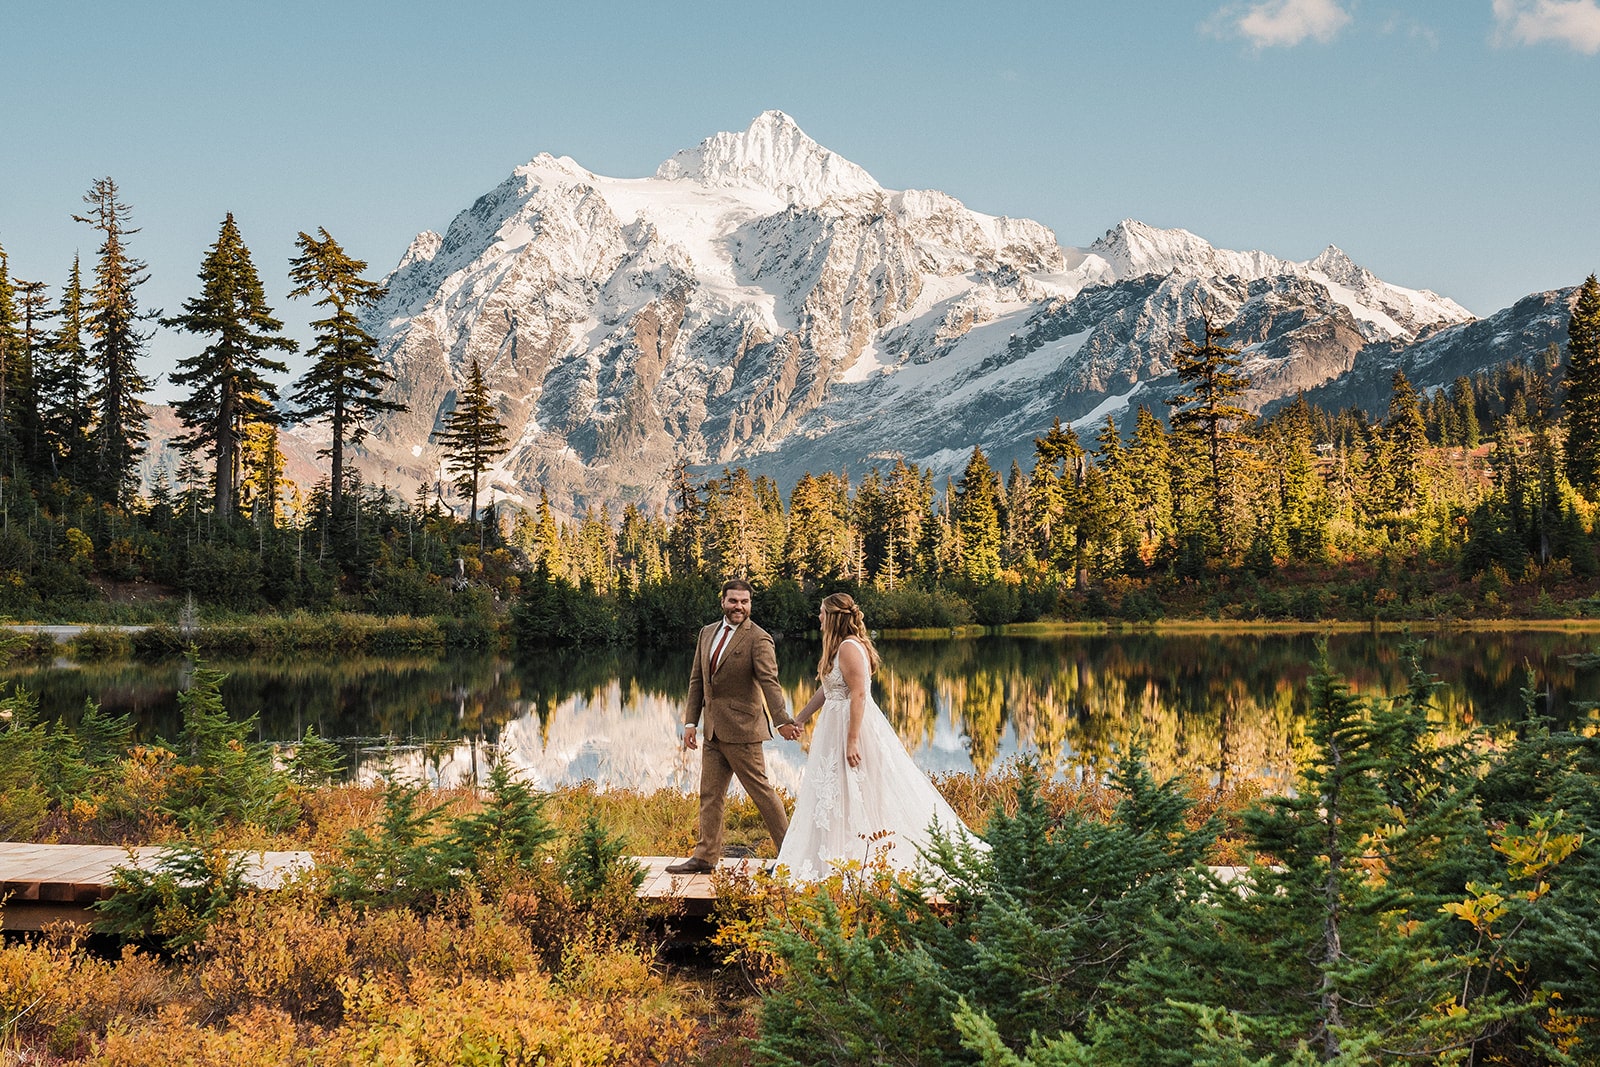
(21, 390)
(1342, 946)
(1056, 500)
(1114, 459)
(261, 489)
(977, 521)
(345, 382)
(509, 833)
(1583, 390)
(473, 438)
(1203, 416)
(547, 553)
(65, 411)
(908, 503)
(871, 537)
(1466, 404)
(819, 539)
(229, 390)
(1301, 502)
(10, 330)
(687, 546)
(1017, 550)
(112, 319)
(1408, 439)
(1150, 481)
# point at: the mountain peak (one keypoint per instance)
(424, 246)
(1337, 265)
(1134, 248)
(775, 155)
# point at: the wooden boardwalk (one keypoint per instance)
(40, 884)
(698, 891)
(49, 883)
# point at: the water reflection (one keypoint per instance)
(1221, 705)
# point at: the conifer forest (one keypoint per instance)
(1470, 501)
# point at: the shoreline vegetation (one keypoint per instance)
(341, 633)
(1417, 894)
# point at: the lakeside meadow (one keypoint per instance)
(1415, 892)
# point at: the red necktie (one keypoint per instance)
(716, 653)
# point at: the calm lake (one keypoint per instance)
(1222, 704)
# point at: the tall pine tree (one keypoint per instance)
(1408, 440)
(65, 397)
(1583, 390)
(1203, 415)
(229, 390)
(344, 384)
(473, 438)
(22, 390)
(977, 520)
(113, 317)
(10, 339)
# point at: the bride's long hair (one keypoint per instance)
(841, 618)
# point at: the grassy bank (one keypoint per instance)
(326, 633)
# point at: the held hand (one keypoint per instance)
(852, 752)
(789, 731)
(689, 740)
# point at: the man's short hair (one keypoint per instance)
(736, 583)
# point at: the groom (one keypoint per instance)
(733, 686)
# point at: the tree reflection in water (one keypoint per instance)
(1222, 705)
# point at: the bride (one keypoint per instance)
(859, 781)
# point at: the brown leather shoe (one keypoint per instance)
(691, 866)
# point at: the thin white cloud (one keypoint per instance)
(1284, 23)
(1571, 22)
(1395, 25)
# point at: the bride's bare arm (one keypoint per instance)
(802, 716)
(858, 676)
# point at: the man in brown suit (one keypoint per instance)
(733, 687)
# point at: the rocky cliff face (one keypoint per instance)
(1525, 329)
(762, 300)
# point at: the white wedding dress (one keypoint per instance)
(841, 808)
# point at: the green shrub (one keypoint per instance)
(178, 899)
(909, 607)
(95, 645)
(996, 604)
(222, 776)
(403, 862)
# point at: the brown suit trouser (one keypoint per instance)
(720, 762)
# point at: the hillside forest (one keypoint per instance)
(1471, 501)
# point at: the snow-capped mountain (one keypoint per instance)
(763, 301)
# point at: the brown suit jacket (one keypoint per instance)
(737, 699)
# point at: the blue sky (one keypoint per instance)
(1445, 144)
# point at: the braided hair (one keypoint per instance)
(842, 618)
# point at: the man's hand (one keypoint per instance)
(689, 739)
(790, 731)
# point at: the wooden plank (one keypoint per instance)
(96, 869)
(56, 863)
(24, 867)
(35, 916)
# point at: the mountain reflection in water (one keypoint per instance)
(1221, 705)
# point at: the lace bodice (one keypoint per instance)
(834, 687)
